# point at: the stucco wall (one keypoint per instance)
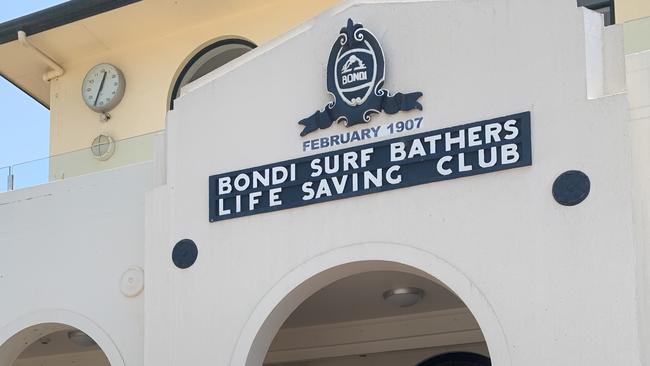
(150, 68)
(638, 81)
(65, 246)
(548, 284)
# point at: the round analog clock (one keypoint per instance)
(103, 87)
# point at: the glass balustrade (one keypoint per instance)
(105, 153)
(4, 179)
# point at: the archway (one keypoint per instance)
(206, 59)
(55, 344)
(271, 336)
(56, 337)
(379, 318)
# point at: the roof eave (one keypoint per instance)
(56, 16)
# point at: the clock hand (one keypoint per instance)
(101, 84)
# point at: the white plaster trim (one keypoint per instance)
(594, 63)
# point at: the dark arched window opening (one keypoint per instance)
(457, 359)
(208, 59)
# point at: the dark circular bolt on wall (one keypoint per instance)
(185, 253)
(571, 188)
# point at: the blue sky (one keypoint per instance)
(24, 124)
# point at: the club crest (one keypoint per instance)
(355, 78)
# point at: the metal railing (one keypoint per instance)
(102, 156)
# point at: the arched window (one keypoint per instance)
(208, 59)
(457, 359)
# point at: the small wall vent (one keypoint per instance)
(103, 147)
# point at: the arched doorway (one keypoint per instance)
(395, 317)
(303, 281)
(207, 59)
(53, 344)
(17, 336)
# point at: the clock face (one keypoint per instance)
(103, 87)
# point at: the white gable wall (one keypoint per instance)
(556, 283)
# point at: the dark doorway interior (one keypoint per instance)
(457, 359)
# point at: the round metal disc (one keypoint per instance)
(571, 188)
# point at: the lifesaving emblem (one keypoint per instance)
(355, 77)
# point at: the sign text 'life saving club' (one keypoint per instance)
(460, 151)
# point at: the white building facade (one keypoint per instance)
(535, 255)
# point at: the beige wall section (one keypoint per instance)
(627, 10)
(150, 68)
(92, 358)
(637, 35)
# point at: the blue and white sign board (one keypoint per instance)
(460, 151)
(355, 79)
